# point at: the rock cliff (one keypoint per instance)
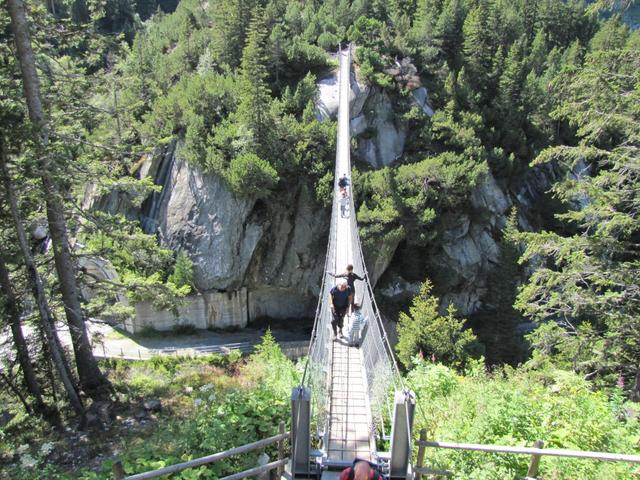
(274, 250)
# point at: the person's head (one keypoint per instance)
(342, 284)
(349, 268)
(361, 471)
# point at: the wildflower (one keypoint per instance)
(188, 389)
(197, 402)
(206, 388)
(24, 448)
(620, 381)
(212, 397)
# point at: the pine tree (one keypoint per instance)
(511, 111)
(231, 18)
(448, 32)
(424, 331)
(91, 378)
(255, 99)
(479, 47)
(588, 281)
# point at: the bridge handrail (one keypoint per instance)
(216, 457)
(536, 453)
(551, 452)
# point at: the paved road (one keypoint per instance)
(110, 342)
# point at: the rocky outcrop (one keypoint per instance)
(380, 135)
(462, 254)
(379, 257)
(220, 232)
(383, 137)
(94, 270)
(327, 99)
(274, 247)
(419, 96)
(290, 256)
(469, 247)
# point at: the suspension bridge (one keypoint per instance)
(352, 402)
(345, 407)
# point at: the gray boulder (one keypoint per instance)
(419, 96)
(385, 139)
(327, 100)
(152, 405)
(220, 232)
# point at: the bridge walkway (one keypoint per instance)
(349, 434)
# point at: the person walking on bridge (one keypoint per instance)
(340, 300)
(351, 278)
(344, 205)
(343, 183)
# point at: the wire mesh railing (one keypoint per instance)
(379, 365)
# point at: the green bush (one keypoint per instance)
(328, 41)
(249, 175)
(424, 331)
(182, 274)
(515, 408)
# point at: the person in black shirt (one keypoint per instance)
(343, 183)
(351, 279)
(340, 300)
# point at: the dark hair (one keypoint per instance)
(350, 267)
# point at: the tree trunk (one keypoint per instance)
(38, 291)
(22, 351)
(91, 378)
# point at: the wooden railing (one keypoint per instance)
(536, 453)
(119, 474)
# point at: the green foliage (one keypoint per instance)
(223, 414)
(444, 180)
(587, 275)
(250, 175)
(182, 274)
(424, 331)
(367, 32)
(204, 411)
(515, 408)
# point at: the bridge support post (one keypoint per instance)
(300, 430)
(405, 404)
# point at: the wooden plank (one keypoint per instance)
(208, 459)
(117, 470)
(421, 451)
(532, 471)
(257, 470)
(281, 449)
(611, 457)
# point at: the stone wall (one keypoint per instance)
(226, 309)
(282, 303)
(208, 310)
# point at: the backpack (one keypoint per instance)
(374, 473)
